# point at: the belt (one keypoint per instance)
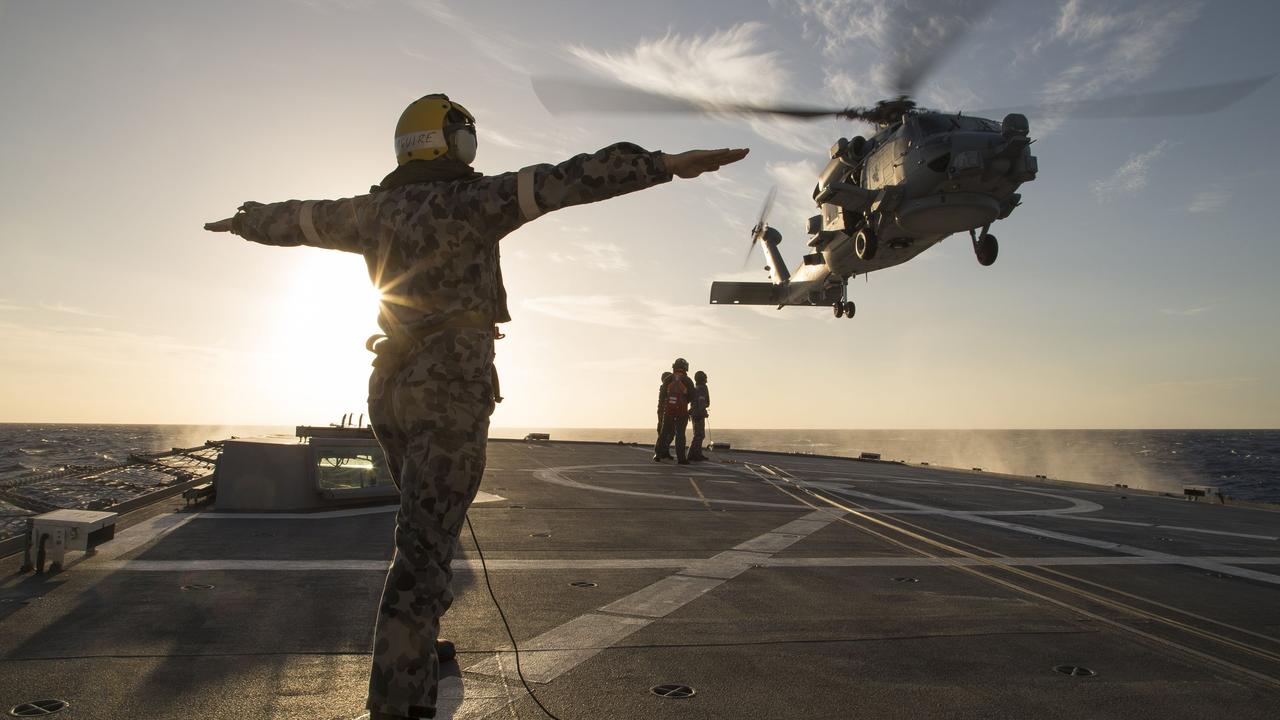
(462, 321)
(386, 345)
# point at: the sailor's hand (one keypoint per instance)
(693, 163)
(228, 225)
(219, 225)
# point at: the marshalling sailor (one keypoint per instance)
(429, 235)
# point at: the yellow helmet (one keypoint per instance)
(426, 126)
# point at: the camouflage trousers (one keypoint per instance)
(429, 408)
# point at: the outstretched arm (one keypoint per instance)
(616, 170)
(331, 224)
(692, 163)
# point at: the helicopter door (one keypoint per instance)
(883, 166)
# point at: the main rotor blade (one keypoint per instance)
(1195, 100)
(924, 32)
(560, 95)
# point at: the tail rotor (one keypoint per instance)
(762, 225)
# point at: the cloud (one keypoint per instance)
(651, 318)
(26, 343)
(897, 42)
(1114, 47)
(1209, 201)
(1130, 177)
(728, 66)
(502, 48)
(601, 255)
(1189, 312)
(1219, 383)
(72, 310)
(795, 181)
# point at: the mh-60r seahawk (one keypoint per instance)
(883, 200)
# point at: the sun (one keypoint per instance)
(313, 341)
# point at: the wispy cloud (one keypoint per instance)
(1209, 201)
(900, 41)
(726, 66)
(503, 48)
(1205, 383)
(104, 346)
(1130, 177)
(1187, 312)
(795, 181)
(1113, 48)
(72, 310)
(652, 318)
(598, 254)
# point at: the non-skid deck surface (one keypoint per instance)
(773, 586)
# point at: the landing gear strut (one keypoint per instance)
(985, 248)
(844, 307)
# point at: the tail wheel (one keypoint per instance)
(987, 249)
(864, 244)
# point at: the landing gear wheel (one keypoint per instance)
(838, 309)
(987, 249)
(849, 308)
(864, 244)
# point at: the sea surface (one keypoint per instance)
(1245, 464)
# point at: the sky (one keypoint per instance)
(1135, 286)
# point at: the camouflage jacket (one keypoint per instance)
(432, 248)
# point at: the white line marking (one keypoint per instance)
(481, 497)
(1218, 532)
(322, 515)
(1076, 539)
(555, 476)
(725, 565)
(663, 597)
(560, 649)
(580, 639)
(139, 535)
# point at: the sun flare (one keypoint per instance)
(313, 344)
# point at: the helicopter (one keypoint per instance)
(882, 200)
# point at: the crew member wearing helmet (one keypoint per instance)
(698, 414)
(429, 235)
(662, 403)
(675, 415)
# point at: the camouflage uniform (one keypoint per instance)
(432, 249)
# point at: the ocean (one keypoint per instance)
(1245, 464)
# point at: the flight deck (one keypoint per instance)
(756, 585)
